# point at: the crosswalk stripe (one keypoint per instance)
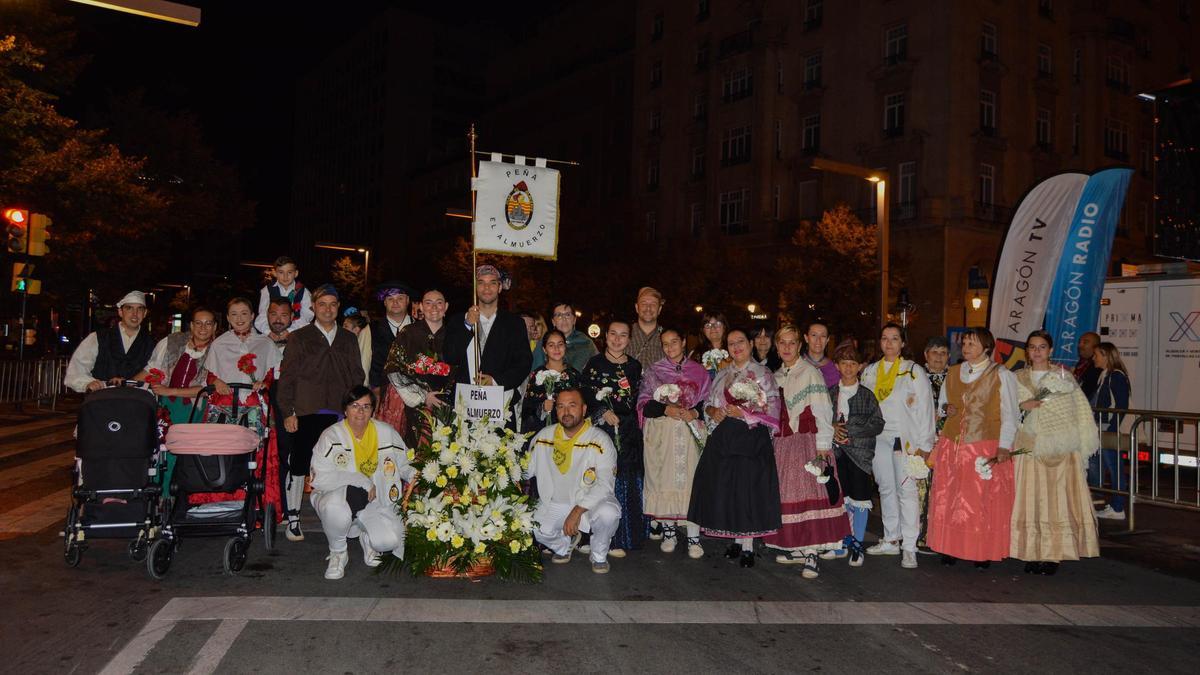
(40, 424)
(27, 473)
(14, 448)
(36, 515)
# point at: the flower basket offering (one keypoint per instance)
(465, 515)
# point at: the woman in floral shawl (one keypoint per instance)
(610, 383)
(735, 493)
(1052, 518)
(418, 377)
(537, 406)
(669, 405)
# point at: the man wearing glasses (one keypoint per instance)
(113, 354)
(580, 348)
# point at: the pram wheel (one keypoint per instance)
(158, 560)
(139, 548)
(73, 554)
(235, 555)
(268, 526)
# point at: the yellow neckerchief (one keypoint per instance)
(366, 449)
(885, 381)
(564, 447)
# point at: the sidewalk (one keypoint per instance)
(1166, 540)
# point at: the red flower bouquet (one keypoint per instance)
(155, 377)
(246, 365)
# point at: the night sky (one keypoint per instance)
(237, 71)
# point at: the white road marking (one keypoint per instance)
(235, 612)
(215, 648)
(36, 515)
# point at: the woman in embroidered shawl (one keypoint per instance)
(669, 405)
(811, 523)
(1052, 517)
(971, 499)
(735, 493)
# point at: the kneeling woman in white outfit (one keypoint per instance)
(359, 466)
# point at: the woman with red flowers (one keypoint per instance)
(177, 369)
(241, 356)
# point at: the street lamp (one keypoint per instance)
(976, 302)
(752, 308)
(699, 308)
(356, 249)
(879, 177)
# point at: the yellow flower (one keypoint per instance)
(524, 462)
(412, 454)
(447, 500)
(465, 499)
(508, 462)
(482, 499)
(496, 514)
(418, 506)
(431, 535)
(485, 483)
(457, 541)
(529, 541)
(441, 481)
(452, 471)
(480, 548)
(515, 525)
(514, 546)
(455, 447)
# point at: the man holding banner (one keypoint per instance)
(505, 359)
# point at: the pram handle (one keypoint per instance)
(209, 390)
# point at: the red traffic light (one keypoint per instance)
(16, 216)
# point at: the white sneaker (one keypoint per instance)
(857, 559)
(884, 548)
(292, 530)
(584, 548)
(370, 556)
(1108, 513)
(908, 560)
(695, 551)
(337, 565)
(833, 554)
(810, 570)
(668, 544)
(616, 552)
(791, 558)
(600, 567)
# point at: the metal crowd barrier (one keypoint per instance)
(1155, 442)
(39, 380)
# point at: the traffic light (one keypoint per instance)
(16, 225)
(39, 233)
(22, 281)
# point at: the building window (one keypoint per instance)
(814, 12)
(987, 184)
(1116, 73)
(735, 146)
(1043, 128)
(812, 71)
(702, 55)
(655, 121)
(652, 169)
(1116, 140)
(733, 212)
(737, 84)
(988, 41)
(1075, 133)
(1077, 65)
(655, 73)
(651, 226)
(699, 106)
(779, 77)
(895, 44)
(987, 112)
(810, 141)
(698, 157)
(1045, 60)
(776, 196)
(656, 27)
(906, 191)
(893, 115)
(778, 138)
(701, 10)
(697, 218)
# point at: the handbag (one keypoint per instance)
(1112, 440)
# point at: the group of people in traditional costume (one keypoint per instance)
(752, 437)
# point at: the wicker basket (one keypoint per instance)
(477, 570)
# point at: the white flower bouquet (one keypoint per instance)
(713, 358)
(667, 393)
(983, 465)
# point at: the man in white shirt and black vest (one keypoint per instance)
(112, 354)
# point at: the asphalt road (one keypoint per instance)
(653, 613)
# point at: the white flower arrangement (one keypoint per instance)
(547, 375)
(749, 392)
(983, 465)
(713, 358)
(668, 393)
(603, 393)
(916, 468)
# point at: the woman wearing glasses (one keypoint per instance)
(715, 326)
(359, 468)
(176, 369)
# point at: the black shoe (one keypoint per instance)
(1048, 569)
(948, 560)
(734, 551)
(747, 559)
(983, 565)
(1033, 568)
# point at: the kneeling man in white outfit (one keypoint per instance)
(576, 467)
(359, 468)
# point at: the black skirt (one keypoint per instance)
(735, 492)
(856, 483)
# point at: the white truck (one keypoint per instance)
(1154, 319)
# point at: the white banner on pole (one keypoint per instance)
(516, 210)
(1030, 255)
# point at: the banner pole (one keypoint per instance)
(475, 264)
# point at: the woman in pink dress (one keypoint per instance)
(971, 502)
